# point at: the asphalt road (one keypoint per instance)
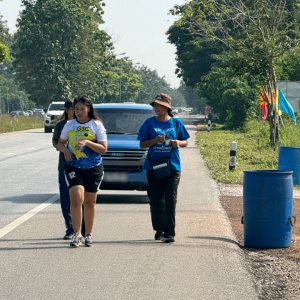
(205, 262)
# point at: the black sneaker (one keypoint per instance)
(158, 235)
(168, 239)
(76, 240)
(88, 241)
(68, 236)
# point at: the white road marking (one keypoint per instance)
(8, 228)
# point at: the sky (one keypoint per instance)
(137, 27)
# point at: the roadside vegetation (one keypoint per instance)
(233, 52)
(9, 123)
(253, 148)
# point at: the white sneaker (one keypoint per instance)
(76, 240)
(88, 241)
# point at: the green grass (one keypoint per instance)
(253, 151)
(9, 123)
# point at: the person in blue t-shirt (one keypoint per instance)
(160, 134)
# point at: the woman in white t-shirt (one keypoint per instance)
(82, 141)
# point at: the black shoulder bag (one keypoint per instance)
(161, 165)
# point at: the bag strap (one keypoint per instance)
(174, 123)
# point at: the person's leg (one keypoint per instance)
(155, 193)
(170, 202)
(89, 211)
(77, 197)
(82, 223)
(92, 180)
(65, 202)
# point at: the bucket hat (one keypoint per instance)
(162, 99)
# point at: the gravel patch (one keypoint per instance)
(275, 272)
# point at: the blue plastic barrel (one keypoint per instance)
(267, 208)
(289, 160)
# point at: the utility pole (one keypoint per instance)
(123, 53)
(120, 91)
(7, 103)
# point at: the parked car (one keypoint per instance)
(55, 109)
(124, 159)
(30, 112)
(19, 113)
(23, 113)
(14, 113)
(38, 112)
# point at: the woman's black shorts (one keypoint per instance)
(89, 178)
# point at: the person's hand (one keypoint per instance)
(68, 155)
(80, 145)
(175, 143)
(160, 138)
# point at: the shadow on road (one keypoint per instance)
(29, 198)
(222, 239)
(101, 198)
(121, 199)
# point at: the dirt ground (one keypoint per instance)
(275, 272)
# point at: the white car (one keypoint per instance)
(38, 112)
(55, 109)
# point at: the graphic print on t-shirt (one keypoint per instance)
(78, 134)
(85, 157)
(164, 147)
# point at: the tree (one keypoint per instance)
(151, 84)
(120, 81)
(193, 54)
(192, 98)
(5, 39)
(259, 32)
(230, 94)
(288, 67)
(59, 49)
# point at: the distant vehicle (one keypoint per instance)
(30, 112)
(38, 112)
(123, 162)
(55, 109)
(19, 113)
(23, 113)
(14, 112)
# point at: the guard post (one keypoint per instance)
(232, 159)
(208, 125)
